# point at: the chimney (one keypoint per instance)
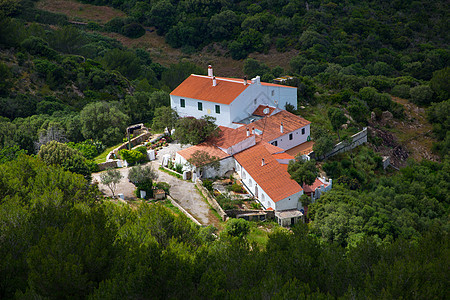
(214, 81)
(253, 130)
(248, 132)
(281, 127)
(210, 71)
(262, 162)
(245, 80)
(258, 80)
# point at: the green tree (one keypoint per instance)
(358, 110)
(202, 159)
(165, 117)
(440, 83)
(142, 177)
(104, 122)
(111, 178)
(422, 94)
(303, 171)
(190, 130)
(337, 118)
(237, 227)
(55, 153)
(124, 61)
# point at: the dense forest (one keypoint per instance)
(377, 234)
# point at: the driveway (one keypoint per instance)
(183, 192)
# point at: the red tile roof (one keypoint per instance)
(271, 148)
(311, 188)
(201, 88)
(270, 208)
(270, 126)
(207, 147)
(271, 177)
(283, 155)
(227, 89)
(260, 110)
(229, 137)
(305, 148)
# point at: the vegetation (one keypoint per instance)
(106, 248)
(142, 177)
(66, 92)
(111, 178)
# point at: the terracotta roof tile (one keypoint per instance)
(208, 148)
(229, 137)
(201, 88)
(260, 110)
(271, 177)
(283, 155)
(305, 148)
(270, 126)
(241, 80)
(271, 148)
(311, 188)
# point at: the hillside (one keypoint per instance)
(74, 76)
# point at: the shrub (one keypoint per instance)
(132, 156)
(133, 30)
(163, 186)
(236, 188)
(179, 168)
(401, 90)
(208, 185)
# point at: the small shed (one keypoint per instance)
(289, 217)
(160, 194)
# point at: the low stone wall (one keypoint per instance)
(109, 165)
(211, 200)
(232, 213)
(356, 140)
(134, 142)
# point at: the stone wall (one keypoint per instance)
(108, 165)
(211, 200)
(134, 142)
(355, 140)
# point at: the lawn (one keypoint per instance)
(259, 232)
(102, 157)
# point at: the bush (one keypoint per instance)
(236, 188)
(208, 185)
(179, 168)
(163, 186)
(133, 30)
(132, 156)
(421, 95)
(401, 90)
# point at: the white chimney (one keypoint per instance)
(262, 162)
(248, 132)
(214, 81)
(258, 80)
(253, 130)
(281, 127)
(210, 71)
(245, 80)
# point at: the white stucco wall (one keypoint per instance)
(209, 109)
(242, 145)
(290, 202)
(297, 138)
(226, 165)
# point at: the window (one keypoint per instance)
(290, 136)
(250, 183)
(273, 93)
(303, 130)
(275, 143)
(217, 109)
(254, 101)
(200, 106)
(182, 103)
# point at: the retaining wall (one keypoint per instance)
(356, 140)
(211, 200)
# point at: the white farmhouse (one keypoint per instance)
(231, 101)
(257, 138)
